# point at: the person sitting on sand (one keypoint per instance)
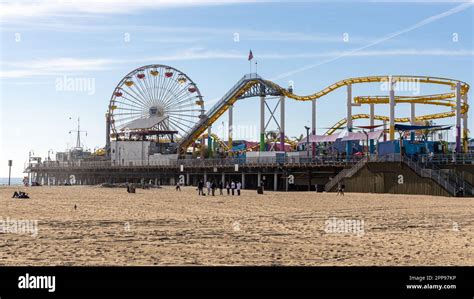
(130, 189)
(22, 195)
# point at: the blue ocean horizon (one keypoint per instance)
(13, 181)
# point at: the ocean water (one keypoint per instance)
(13, 181)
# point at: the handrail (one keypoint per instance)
(346, 173)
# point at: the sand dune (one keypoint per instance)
(165, 227)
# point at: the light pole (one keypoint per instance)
(10, 162)
(307, 141)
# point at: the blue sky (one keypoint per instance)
(303, 41)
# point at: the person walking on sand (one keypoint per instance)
(227, 186)
(201, 187)
(232, 187)
(208, 186)
(340, 188)
(239, 186)
(178, 186)
(221, 186)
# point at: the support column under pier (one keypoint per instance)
(275, 181)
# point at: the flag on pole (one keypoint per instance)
(250, 55)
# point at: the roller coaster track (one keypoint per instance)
(439, 100)
(253, 85)
(216, 138)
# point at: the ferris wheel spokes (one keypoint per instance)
(158, 93)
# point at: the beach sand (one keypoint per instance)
(166, 227)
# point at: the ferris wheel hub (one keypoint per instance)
(157, 111)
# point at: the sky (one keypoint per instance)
(309, 43)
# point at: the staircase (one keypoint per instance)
(345, 173)
(451, 182)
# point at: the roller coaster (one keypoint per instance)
(253, 85)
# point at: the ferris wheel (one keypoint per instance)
(155, 98)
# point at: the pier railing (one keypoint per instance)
(196, 163)
(467, 158)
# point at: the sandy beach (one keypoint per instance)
(166, 227)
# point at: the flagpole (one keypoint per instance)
(250, 62)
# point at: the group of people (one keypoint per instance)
(20, 194)
(232, 187)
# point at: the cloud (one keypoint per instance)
(52, 67)
(11, 9)
(372, 53)
(68, 65)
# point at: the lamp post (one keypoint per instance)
(307, 141)
(10, 162)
